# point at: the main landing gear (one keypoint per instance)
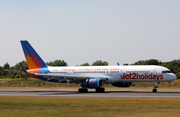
(82, 90)
(155, 86)
(85, 90)
(100, 90)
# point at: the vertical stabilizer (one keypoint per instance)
(33, 60)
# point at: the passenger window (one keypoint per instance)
(169, 71)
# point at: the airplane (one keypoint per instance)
(93, 77)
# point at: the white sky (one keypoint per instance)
(80, 31)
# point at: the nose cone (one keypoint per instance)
(173, 76)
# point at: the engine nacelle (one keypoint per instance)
(122, 84)
(92, 83)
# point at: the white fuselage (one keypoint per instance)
(142, 73)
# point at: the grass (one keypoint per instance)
(88, 107)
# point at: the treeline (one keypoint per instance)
(173, 65)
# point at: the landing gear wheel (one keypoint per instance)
(100, 90)
(155, 86)
(154, 90)
(82, 90)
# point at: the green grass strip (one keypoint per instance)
(88, 107)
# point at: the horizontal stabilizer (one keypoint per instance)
(23, 68)
(15, 71)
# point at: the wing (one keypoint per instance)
(70, 78)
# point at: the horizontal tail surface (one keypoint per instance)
(23, 67)
(33, 60)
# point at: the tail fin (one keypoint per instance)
(33, 60)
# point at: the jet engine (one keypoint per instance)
(92, 83)
(122, 84)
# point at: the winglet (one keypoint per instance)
(118, 64)
(23, 68)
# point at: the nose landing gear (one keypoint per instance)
(154, 90)
(155, 86)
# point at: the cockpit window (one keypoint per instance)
(167, 71)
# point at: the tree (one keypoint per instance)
(1, 71)
(175, 69)
(140, 62)
(100, 63)
(148, 62)
(6, 65)
(178, 75)
(57, 63)
(85, 64)
(24, 63)
(125, 64)
(152, 62)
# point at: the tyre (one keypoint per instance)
(80, 90)
(100, 90)
(154, 90)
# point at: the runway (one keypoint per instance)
(74, 93)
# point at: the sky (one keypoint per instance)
(80, 31)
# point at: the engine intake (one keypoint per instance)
(122, 84)
(92, 83)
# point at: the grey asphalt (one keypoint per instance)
(74, 93)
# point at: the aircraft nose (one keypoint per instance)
(173, 76)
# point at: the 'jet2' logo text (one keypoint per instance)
(141, 76)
